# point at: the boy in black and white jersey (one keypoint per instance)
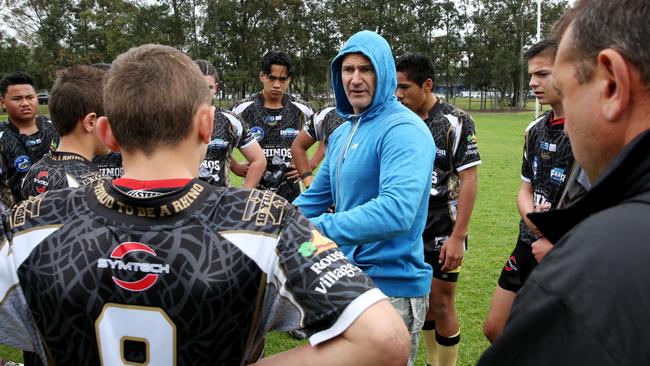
(275, 119)
(25, 137)
(229, 132)
(161, 268)
(453, 192)
(546, 166)
(75, 104)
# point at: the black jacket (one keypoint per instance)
(588, 302)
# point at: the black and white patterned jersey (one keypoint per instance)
(110, 164)
(19, 152)
(547, 162)
(58, 170)
(454, 133)
(228, 132)
(321, 125)
(190, 276)
(275, 130)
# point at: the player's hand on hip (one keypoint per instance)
(292, 173)
(240, 169)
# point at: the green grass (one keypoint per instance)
(493, 231)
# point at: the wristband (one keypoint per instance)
(306, 174)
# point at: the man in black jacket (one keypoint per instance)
(587, 302)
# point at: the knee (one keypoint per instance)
(441, 305)
(491, 330)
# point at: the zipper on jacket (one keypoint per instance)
(344, 154)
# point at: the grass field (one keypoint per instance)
(493, 232)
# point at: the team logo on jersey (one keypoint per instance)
(152, 270)
(33, 142)
(317, 245)
(511, 266)
(258, 133)
(289, 133)
(273, 120)
(471, 139)
(558, 176)
(23, 163)
(41, 181)
(548, 146)
(218, 143)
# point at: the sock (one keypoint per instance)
(428, 333)
(448, 349)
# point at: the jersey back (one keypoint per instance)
(58, 170)
(193, 276)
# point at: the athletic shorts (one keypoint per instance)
(440, 224)
(518, 266)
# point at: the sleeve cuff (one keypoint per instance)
(349, 315)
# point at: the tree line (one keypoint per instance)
(476, 44)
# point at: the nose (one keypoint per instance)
(399, 94)
(533, 82)
(356, 77)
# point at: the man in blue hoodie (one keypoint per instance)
(377, 172)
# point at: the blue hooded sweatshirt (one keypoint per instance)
(377, 172)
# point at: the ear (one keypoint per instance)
(89, 122)
(261, 76)
(106, 134)
(204, 122)
(614, 73)
(428, 85)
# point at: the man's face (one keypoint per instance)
(409, 93)
(212, 84)
(359, 81)
(276, 82)
(540, 69)
(589, 142)
(21, 103)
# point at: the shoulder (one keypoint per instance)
(537, 123)
(230, 117)
(399, 118)
(303, 107)
(244, 104)
(253, 209)
(610, 239)
(324, 113)
(50, 208)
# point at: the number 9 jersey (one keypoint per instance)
(108, 274)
